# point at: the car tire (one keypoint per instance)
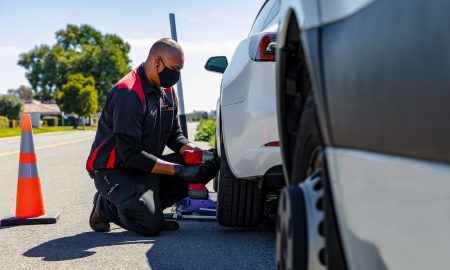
(240, 202)
(308, 147)
(299, 235)
(216, 179)
(216, 182)
(291, 232)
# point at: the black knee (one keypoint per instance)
(140, 219)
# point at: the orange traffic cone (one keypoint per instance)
(29, 202)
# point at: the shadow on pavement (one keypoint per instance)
(206, 245)
(6, 227)
(77, 246)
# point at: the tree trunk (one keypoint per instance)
(75, 122)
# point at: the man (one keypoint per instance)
(140, 117)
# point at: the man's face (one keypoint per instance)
(172, 61)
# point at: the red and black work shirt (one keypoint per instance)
(138, 120)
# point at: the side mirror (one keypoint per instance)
(217, 64)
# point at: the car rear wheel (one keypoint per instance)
(216, 179)
(240, 202)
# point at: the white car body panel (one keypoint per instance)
(251, 124)
(235, 79)
(409, 199)
(248, 113)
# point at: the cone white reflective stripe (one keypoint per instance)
(26, 143)
(28, 170)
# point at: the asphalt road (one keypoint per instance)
(70, 244)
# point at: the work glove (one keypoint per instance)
(190, 174)
(209, 170)
(214, 153)
(198, 173)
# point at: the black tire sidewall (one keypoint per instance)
(308, 140)
(240, 202)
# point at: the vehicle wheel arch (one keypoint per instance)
(291, 53)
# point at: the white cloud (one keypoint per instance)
(189, 18)
(225, 47)
(9, 51)
(209, 47)
(220, 16)
(141, 43)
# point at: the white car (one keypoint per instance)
(247, 133)
(363, 93)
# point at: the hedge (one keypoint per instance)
(206, 130)
(4, 122)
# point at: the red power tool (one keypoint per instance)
(198, 157)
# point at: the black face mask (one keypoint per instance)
(168, 77)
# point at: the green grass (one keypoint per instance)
(9, 132)
(212, 142)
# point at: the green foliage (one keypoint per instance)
(206, 130)
(212, 142)
(78, 95)
(52, 121)
(198, 116)
(10, 106)
(78, 49)
(23, 92)
(4, 122)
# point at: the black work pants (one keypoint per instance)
(135, 201)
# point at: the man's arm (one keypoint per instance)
(127, 120)
(134, 156)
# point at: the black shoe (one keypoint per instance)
(170, 225)
(96, 221)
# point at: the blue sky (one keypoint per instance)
(205, 28)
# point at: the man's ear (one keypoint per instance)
(157, 64)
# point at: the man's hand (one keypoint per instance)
(198, 173)
(188, 146)
(210, 169)
(190, 174)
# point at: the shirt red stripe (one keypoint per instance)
(112, 159)
(91, 159)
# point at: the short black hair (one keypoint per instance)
(165, 45)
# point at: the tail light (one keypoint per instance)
(273, 144)
(263, 47)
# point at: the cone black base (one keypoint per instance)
(45, 219)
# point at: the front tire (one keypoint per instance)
(240, 202)
(300, 226)
(308, 147)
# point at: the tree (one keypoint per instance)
(23, 92)
(78, 49)
(10, 106)
(78, 96)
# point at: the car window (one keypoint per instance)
(272, 14)
(260, 20)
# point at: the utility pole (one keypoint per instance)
(183, 123)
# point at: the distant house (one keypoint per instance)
(37, 110)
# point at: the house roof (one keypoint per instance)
(35, 106)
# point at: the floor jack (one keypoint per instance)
(198, 205)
